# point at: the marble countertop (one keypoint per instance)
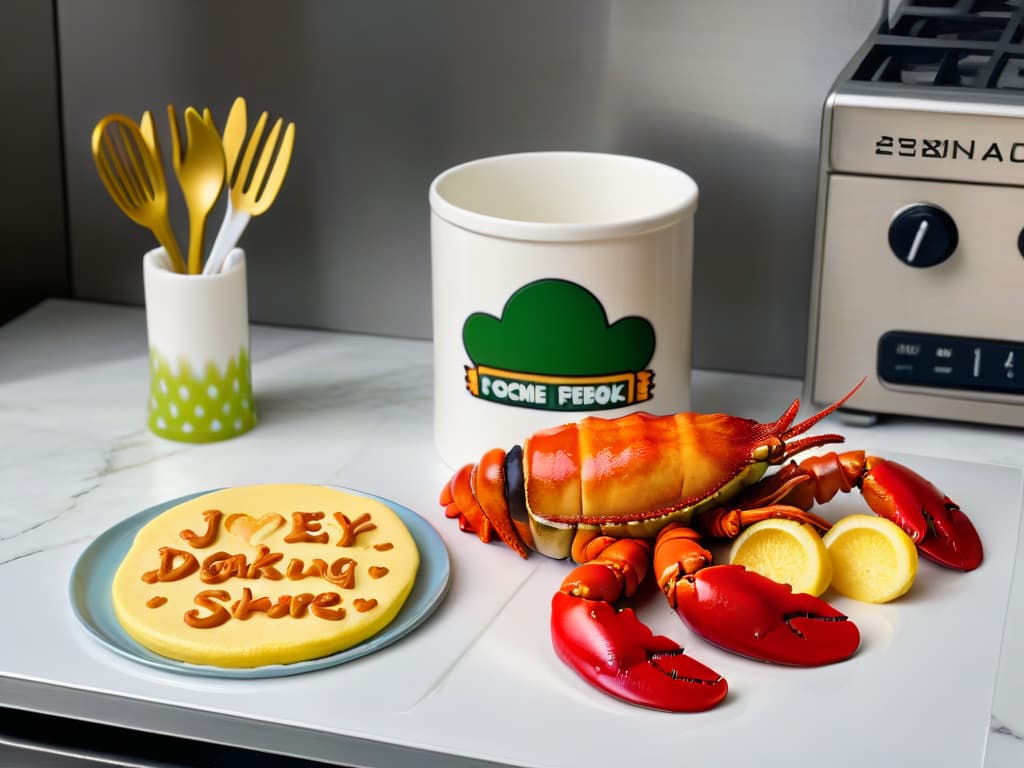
(477, 684)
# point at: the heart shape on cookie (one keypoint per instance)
(251, 529)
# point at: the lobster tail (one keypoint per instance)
(478, 496)
(459, 502)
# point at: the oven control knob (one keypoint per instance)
(922, 235)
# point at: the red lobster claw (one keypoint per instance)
(942, 532)
(614, 652)
(751, 615)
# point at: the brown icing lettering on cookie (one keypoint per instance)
(168, 571)
(221, 566)
(299, 603)
(281, 608)
(263, 565)
(297, 569)
(321, 606)
(240, 578)
(201, 541)
(305, 527)
(352, 528)
(217, 615)
(245, 607)
(341, 572)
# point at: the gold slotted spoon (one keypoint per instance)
(135, 179)
(251, 191)
(199, 165)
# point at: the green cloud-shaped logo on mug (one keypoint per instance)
(554, 348)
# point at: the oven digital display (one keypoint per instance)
(951, 362)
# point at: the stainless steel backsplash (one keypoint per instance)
(387, 94)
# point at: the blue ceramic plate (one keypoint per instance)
(93, 575)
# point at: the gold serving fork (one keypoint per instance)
(134, 177)
(251, 191)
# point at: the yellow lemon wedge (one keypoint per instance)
(872, 558)
(785, 551)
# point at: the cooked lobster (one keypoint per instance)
(620, 495)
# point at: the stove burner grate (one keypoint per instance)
(973, 44)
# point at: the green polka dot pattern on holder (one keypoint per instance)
(200, 409)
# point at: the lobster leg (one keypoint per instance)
(613, 650)
(747, 613)
(942, 531)
(727, 523)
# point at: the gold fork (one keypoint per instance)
(135, 179)
(251, 191)
(199, 165)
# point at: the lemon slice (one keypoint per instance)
(785, 551)
(872, 558)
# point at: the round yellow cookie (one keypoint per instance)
(265, 574)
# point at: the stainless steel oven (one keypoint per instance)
(918, 280)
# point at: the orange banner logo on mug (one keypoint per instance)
(554, 349)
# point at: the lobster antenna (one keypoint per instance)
(806, 424)
(782, 423)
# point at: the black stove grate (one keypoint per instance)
(967, 44)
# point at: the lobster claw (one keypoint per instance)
(937, 525)
(749, 614)
(616, 653)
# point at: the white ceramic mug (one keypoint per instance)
(198, 331)
(561, 289)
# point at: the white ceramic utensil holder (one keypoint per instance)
(561, 289)
(198, 329)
